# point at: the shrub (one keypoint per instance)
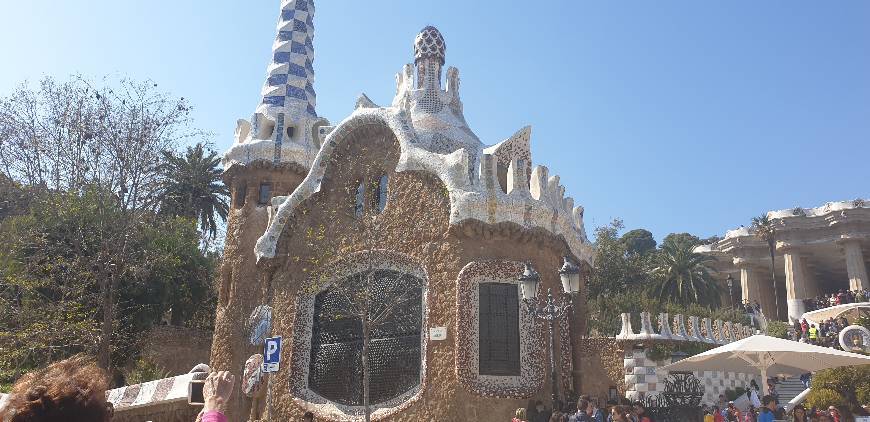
(823, 397)
(777, 329)
(145, 370)
(845, 386)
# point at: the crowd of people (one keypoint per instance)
(826, 333)
(842, 297)
(768, 411)
(584, 409)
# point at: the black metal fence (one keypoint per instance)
(680, 402)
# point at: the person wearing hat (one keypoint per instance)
(734, 412)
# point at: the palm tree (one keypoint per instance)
(763, 228)
(193, 187)
(681, 275)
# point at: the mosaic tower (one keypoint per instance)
(289, 88)
(285, 127)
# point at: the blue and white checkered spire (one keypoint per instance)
(289, 88)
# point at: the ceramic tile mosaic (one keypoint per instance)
(644, 377)
(432, 138)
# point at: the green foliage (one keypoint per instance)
(193, 187)
(660, 351)
(679, 238)
(56, 261)
(864, 321)
(823, 397)
(145, 370)
(778, 329)
(845, 386)
(616, 270)
(681, 275)
(638, 241)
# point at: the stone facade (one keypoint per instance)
(177, 349)
(817, 251)
(406, 188)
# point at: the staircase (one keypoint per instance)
(788, 389)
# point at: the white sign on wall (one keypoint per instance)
(438, 333)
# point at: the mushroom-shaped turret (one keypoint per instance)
(429, 53)
(429, 43)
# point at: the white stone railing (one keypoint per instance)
(698, 330)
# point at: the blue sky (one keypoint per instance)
(672, 115)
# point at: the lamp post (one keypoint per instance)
(730, 282)
(549, 310)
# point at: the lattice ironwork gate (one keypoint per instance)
(680, 402)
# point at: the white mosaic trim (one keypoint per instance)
(541, 204)
(532, 346)
(644, 377)
(303, 325)
(699, 330)
(797, 212)
(434, 137)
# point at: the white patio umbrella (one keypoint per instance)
(770, 356)
(849, 309)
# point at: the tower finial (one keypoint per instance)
(429, 53)
(289, 88)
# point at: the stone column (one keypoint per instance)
(749, 284)
(795, 284)
(855, 265)
(756, 285)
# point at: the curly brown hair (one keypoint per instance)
(72, 390)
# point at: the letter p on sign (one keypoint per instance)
(272, 354)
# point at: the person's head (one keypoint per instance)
(833, 411)
(721, 397)
(813, 325)
(716, 409)
(521, 414)
(619, 413)
(583, 405)
(769, 402)
(539, 406)
(556, 417)
(308, 417)
(825, 418)
(638, 408)
(72, 390)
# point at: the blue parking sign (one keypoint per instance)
(272, 354)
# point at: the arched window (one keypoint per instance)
(335, 368)
(359, 205)
(381, 194)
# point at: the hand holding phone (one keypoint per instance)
(217, 389)
(194, 393)
(212, 392)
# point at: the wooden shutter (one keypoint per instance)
(499, 329)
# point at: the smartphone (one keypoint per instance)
(194, 393)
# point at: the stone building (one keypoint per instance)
(818, 251)
(404, 198)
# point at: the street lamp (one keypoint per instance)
(730, 282)
(549, 310)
